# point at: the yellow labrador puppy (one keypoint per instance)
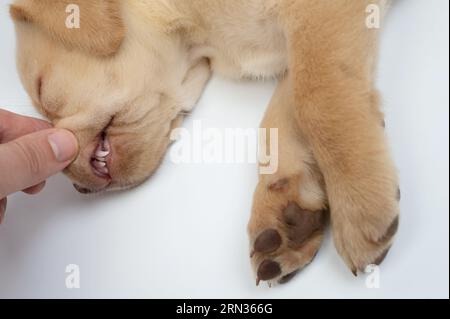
(125, 77)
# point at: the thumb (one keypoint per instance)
(31, 159)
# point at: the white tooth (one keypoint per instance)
(99, 164)
(100, 153)
(100, 159)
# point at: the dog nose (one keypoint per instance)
(82, 190)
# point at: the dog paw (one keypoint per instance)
(364, 235)
(285, 232)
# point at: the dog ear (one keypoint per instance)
(92, 26)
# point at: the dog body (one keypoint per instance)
(259, 52)
(127, 76)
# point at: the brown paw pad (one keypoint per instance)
(268, 241)
(301, 223)
(268, 270)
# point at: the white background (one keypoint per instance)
(183, 234)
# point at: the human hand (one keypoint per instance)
(30, 152)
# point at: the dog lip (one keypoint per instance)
(99, 172)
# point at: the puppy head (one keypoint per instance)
(103, 83)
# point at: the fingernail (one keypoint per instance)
(2, 209)
(64, 145)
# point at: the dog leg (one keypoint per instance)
(289, 211)
(331, 55)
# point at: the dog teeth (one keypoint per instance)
(98, 164)
(99, 160)
(101, 154)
